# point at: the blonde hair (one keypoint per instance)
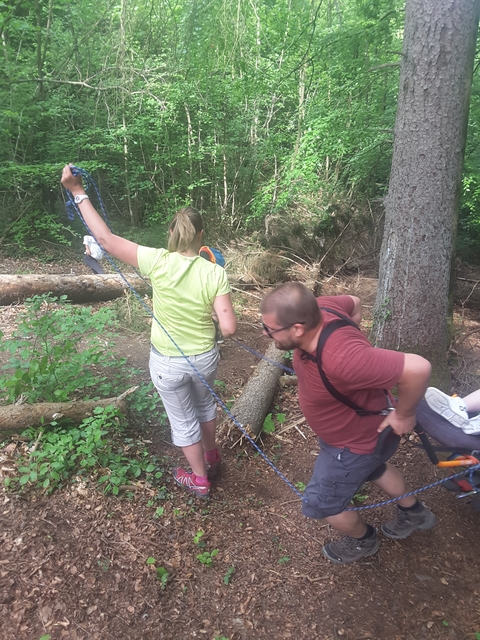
(186, 223)
(292, 302)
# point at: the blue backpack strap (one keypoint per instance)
(219, 259)
(212, 255)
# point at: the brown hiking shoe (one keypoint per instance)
(349, 549)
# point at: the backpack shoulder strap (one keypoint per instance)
(326, 333)
(340, 315)
(344, 321)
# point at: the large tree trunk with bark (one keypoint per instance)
(91, 288)
(252, 406)
(17, 418)
(414, 291)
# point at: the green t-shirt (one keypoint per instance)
(184, 290)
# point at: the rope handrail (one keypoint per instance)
(72, 208)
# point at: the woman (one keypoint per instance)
(186, 289)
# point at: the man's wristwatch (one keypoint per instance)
(80, 198)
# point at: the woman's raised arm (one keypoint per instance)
(117, 246)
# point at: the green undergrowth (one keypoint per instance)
(61, 353)
(96, 451)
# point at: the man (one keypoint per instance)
(360, 372)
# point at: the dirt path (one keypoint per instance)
(74, 564)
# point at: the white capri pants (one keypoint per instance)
(185, 397)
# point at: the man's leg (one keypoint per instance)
(337, 475)
(349, 523)
(359, 540)
(393, 484)
(411, 515)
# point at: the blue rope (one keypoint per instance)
(378, 504)
(263, 357)
(141, 300)
(72, 207)
(413, 493)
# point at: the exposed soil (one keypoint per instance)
(73, 564)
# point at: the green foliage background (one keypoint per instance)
(245, 109)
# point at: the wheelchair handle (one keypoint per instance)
(384, 439)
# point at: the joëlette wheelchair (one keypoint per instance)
(460, 449)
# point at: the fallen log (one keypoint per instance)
(253, 404)
(17, 418)
(91, 288)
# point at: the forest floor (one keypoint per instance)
(73, 564)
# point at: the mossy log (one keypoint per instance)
(91, 288)
(253, 404)
(17, 418)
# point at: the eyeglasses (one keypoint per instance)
(270, 331)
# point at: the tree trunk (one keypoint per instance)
(77, 288)
(252, 406)
(18, 418)
(414, 290)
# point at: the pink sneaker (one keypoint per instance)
(188, 480)
(212, 465)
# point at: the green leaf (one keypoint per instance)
(198, 536)
(228, 576)
(151, 560)
(268, 424)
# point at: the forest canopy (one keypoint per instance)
(247, 110)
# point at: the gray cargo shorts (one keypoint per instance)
(337, 476)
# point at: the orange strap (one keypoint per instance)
(461, 461)
(209, 252)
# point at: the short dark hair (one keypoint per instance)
(292, 302)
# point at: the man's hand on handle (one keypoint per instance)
(399, 424)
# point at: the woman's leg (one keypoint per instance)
(173, 381)
(195, 458)
(204, 402)
(208, 434)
